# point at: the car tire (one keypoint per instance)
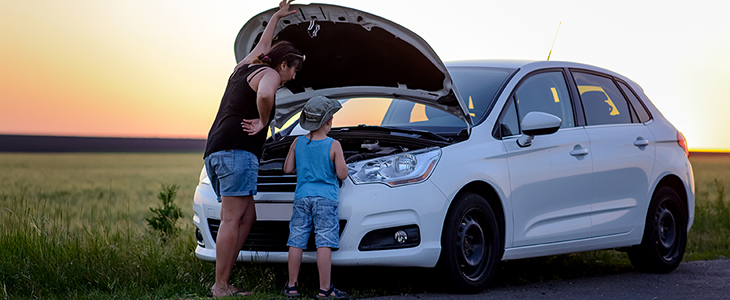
(665, 235)
(471, 244)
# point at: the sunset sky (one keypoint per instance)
(147, 68)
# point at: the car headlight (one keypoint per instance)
(398, 169)
(204, 177)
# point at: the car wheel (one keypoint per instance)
(471, 244)
(665, 235)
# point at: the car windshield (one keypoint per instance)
(389, 112)
(478, 87)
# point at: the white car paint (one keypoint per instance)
(580, 188)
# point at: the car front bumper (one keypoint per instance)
(369, 208)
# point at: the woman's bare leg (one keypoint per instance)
(234, 213)
(244, 227)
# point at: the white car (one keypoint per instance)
(525, 159)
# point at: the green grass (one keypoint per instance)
(106, 184)
(73, 227)
(708, 238)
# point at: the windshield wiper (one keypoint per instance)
(409, 132)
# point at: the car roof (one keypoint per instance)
(489, 63)
(530, 65)
(527, 65)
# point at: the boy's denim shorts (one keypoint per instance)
(320, 212)
(232, 172)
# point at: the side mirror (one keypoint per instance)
(537, 123)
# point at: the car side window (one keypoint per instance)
(509, 124)
(639, 107)
(545, 92)
(602, 101)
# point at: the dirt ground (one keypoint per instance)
(691, 280)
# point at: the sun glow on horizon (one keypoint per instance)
(135, 68)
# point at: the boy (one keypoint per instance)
(318, 161)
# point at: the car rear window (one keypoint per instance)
(603, 103)
(641, 111)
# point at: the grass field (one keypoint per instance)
(74, 228)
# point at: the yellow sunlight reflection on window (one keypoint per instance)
(368, 111)
(587, 88)
(418, 113)
(555, 94)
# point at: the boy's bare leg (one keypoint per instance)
(236, 221)
(295, 261)
(324, 264)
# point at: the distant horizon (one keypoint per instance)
(94, 144)
(107, 136)
(695, 150)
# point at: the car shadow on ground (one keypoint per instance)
(381, 281)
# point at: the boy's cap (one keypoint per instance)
(317, 111)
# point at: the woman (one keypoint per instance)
(236, 139)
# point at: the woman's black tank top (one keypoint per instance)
(238, 103)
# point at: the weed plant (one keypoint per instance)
(166, 215)
(73, 227)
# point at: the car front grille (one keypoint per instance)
(276, 181)
(269, 236)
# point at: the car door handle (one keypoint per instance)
(579, 152)
(641, 142)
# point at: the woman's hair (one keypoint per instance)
(282, 51)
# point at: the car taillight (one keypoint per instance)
(682, 143)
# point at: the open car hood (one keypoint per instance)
(354, 53)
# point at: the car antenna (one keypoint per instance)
(556, 37)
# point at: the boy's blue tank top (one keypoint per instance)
(316, 174)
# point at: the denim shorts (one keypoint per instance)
(232, 172)
(320, 212)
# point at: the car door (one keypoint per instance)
(622, 148)
(550, 179)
